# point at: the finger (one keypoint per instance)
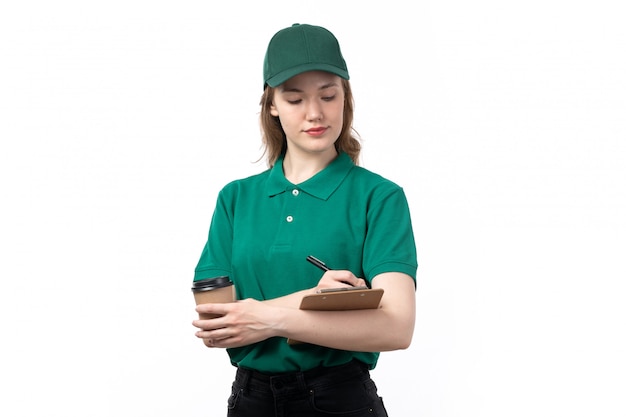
(213, 308)
(343, 277)
(214, 335)
(350, 279)
(216, 342)
(208, 325)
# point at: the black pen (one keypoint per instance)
(321, 265)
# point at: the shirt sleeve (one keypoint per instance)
(390, 243)
(216, 256)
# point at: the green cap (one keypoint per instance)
(302, 48)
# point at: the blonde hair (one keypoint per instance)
(274, 139)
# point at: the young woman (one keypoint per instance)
(313, 200)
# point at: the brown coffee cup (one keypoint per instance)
(213, 290)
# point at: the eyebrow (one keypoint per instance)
(323, 87)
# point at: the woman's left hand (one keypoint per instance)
(242, 323)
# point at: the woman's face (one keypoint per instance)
(310, 109)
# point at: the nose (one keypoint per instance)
(314, 111)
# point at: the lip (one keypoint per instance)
(316, 131)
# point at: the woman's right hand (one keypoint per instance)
(336, 278)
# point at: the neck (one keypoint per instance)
(299, 167)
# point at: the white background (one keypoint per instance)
(503, 121)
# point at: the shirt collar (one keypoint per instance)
(321, 185)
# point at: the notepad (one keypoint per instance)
(343, 299)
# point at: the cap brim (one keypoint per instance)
(283, 76)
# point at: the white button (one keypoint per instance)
(289, 219)
(295, 192)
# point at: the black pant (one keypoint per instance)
(340, 391)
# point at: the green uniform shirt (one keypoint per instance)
(264, 227)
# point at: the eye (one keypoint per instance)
(329, 98)
(298, 101)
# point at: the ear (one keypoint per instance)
(273, 110)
